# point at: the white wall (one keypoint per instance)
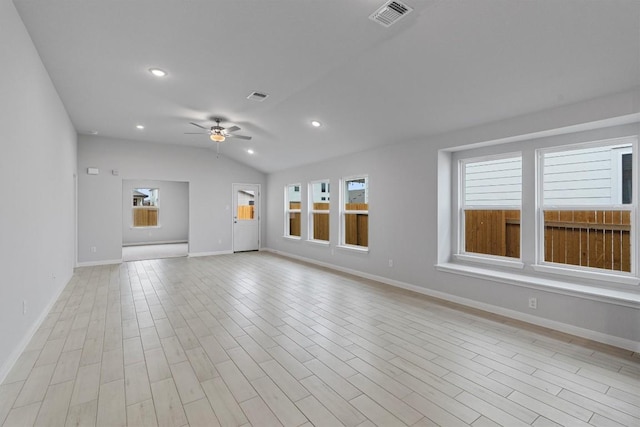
(37, 166)
(173, 218)
(406, 226)
(100, 197)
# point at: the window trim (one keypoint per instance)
(344, 212)
(288, 211)
(311, 211)
(540, 264)
(460, 252)
(133, 225)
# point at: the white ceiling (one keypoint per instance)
(448, 65)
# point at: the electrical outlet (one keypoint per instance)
(390, 262)
(24, 307)
(94, 249)
(533, 303)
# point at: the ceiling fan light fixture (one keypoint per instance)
(217, 137)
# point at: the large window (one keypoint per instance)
(292, 210)
(491, 200)
(319, 211)
(586, 206)
(145, 207)
(568, 210)
(355, 212)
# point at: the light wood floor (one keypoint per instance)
(255, 339)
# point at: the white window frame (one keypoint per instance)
(288, 211)
(460, 252)
(594, 273)
(312, 211)
(343, 212)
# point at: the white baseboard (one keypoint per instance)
(513, 314)
(199, 254)
(15, 354)
(103, 262)
(162, 242)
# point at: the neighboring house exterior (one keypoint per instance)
(591, 176)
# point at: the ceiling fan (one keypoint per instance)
(218, 133)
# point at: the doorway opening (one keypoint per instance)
(155, 219)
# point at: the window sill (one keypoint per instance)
(318, 242)
(491, 260)
(622, 279)
(353, 248)
(144, 227)
(292, 237)
(619, 297)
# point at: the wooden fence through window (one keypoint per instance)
(321, 222)
(294, 220)
(356, 225)
(145, 216)
(594, 238)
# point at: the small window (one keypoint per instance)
(145, 207)
(292, 212)
(355, 212)
(246, 205)
(492, 194)
(586, 206)
(319, 211)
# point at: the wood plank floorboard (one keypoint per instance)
(258, 339)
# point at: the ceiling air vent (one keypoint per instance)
(390, 13)
(257, 96)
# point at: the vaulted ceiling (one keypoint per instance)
(448, 65)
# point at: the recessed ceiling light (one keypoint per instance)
(316, 123)
(93, 132)
(250, 151)
(157, 72)
(139, 127)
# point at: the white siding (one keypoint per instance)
(580, 177)
(495, 182)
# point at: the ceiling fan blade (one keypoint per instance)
(239, 136)
(232, 129)
(202, 127)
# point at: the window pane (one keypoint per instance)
(591, 184)
(593, 238)
(294, 224)
(357, 194)
(320, 193)
(492, 232)
(293, 203)
(586, 177)
(319, 222)
(145, 207)
(493, 182)
(294, 194)
(356, 229)
(356, 225)
(246, 205)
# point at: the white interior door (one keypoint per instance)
(246, 217)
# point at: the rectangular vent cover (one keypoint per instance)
(257, 96)
(390, 13)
